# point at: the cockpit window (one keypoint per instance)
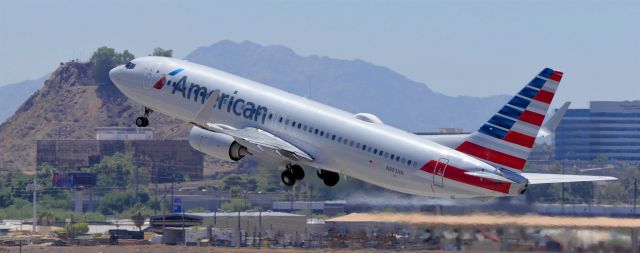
(129, 65)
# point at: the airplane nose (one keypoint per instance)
(115, 74)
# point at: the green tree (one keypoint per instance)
(106, 58)
(544, 193)
(45, 173)
(233, 180)
(613, 192)
(124, 57)
(235, 205)
(161, 52)
(76, 230)
(582, 191)
(268, 179)
(115, 202)
(60, 200)
(5, 197)
(119, 170)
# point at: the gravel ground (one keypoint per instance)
(168, 249)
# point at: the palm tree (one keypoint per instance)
(139, 215)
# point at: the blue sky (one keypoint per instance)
(473, 48)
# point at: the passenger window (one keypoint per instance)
(386, 155)
(280, 120)
(293, 124)
(321, 133)
(375, 151)
(358, 145)
(369, 149)
(403, 160)
(316, 131)
(381, 152)
(299, 125)
(397, 158)
(270, 115)
(339, 139)
(344, 141)
(364, 147)
(333, 137)
(409, 162)
(286, 122)
(392, 156)
(305, 128)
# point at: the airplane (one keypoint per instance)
(234, 117)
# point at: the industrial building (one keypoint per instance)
(166, 160)
(231, 229)
(329, 208)
(608, 129)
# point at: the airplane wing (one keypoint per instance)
(550, 125)
(259, 140)
(253, 138)
(540, 178)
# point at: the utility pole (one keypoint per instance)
(184, 233)
(172, 207)
(260, 228)
(563, 161)
(35, 218)
(155, 210)
(635, 194)
(239, 232)
(136, 189)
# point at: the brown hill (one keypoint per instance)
(69, 106)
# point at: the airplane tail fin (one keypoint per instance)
(506, 139)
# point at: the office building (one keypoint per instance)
(607, 129)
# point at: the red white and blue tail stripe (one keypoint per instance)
(507, 138)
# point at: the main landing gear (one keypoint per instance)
(291, 174)
(295, 172)
(144, 121)
(328, 177)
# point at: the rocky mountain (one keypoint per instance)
(72, 103)
(351, 85)
(69, 106)
(12, 95)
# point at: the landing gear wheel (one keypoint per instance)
(297, 171)
(142, 122)
(329, 178)
(288, 178)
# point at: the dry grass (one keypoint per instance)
(494, 220)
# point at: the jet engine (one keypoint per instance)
(218, 145)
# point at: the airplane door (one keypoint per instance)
(152, 75)
(439, 170)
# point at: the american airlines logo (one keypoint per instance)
(231, 103)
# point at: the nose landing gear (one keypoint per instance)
(143, 121)
(291, 174)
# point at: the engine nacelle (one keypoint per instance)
(218, 145)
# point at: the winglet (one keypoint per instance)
(206, 110)
(553, 122)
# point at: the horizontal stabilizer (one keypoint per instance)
(539, 178)
(488, 175)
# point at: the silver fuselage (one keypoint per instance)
(423, 168)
